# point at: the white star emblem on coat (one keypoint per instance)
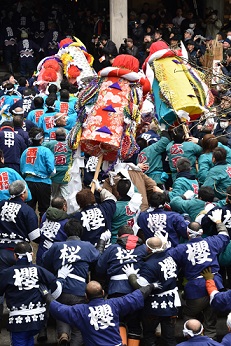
(170, 304)
(163, 305)
(155, 305)
(35, 318)
(27, 319)
(18, 319)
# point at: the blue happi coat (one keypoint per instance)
(98, 321)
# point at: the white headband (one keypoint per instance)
(8, 91)
(159, 249)
(228, 322)
(194, 234)
(19, 194)
(18, 112)
(59, 116)
(189, 332)
(27, 254)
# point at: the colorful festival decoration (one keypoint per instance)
(178, 89)
(77, 62)
(49, 71)
(110, 126)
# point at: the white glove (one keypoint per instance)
(47, 244)
(106, 235)
(129, 269)
(65, 271)
(157, 284)
(216, 215)
(189, 194)
(97, 184)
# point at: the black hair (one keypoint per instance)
(142, 143)
(219, 154)
(125, 229)
(65, 84)
(73, 227)
(206, 193)
(64, 95)
(183, 164)
(52, 88)
(8, 124)
(34, 131)
(38, 102)
(8, 86)
(178, 135)
(103, 37)
(22, 247)
(157, 199)
(22, 81)
(228, 52)
(50, 100)
(123, 187)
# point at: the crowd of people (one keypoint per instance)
(152, 241)
(27, 35)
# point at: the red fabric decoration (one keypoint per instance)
(65, 42)
(156, 46)
(73, 72)
(52, 64)
(126, 61)
(146, 86)
(49, 75)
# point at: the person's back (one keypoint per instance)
(193, 206)
(7, 177)
(180, 148)
(37, 165)
(12, 145)
(52, 226)
(25, 302)
(127, 208)
(197, 246)
(128, 249)
(185, 180)
(219, 176)
(18, 221)
(62, 154)
(98, 320)
(151, 156)
(172, 225)
(95, 217)
(35, 114)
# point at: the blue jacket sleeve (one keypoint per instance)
(222, 301)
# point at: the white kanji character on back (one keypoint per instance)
(93, 219)
(125, 255)
(26, 278)
(169, 267)
(9, 139)
(10, 211)
(157, 222)
(101, 316)
(50, 229)
(198, 253)
(69, 254)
